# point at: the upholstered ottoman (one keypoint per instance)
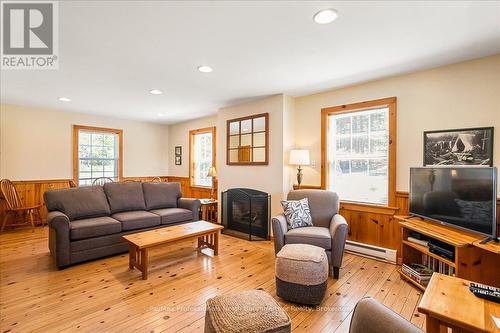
(301, 273)
(253, 311)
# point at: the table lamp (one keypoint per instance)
(299, 157)
(212, 172)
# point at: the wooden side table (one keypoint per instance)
(208, 210)
(448, 302)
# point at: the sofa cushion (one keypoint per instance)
(173, 215)
(94, 227)
(124, 197)
(317, 236)
(138, 219)
(78, 203)
(161, 195)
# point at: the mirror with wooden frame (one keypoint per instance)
(248, 140)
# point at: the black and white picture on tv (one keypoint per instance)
(463, 197)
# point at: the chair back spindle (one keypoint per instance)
(10, 195)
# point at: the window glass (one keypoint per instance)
(358, 154)
(97, 156)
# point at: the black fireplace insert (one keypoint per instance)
(246, 213)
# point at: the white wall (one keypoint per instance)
(38, 143)
(267, 178)
(179, 136)
(456, 96)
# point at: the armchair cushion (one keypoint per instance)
(322, 204)
(297, 213)
(317, 236)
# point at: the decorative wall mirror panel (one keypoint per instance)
(248, 140)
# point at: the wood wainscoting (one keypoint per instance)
(31, 191)
(376, 225)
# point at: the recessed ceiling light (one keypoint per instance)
(205, 69)
(325, 16)
(160, 114)
(155, 92)
(64, 99)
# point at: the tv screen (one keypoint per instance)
(464, 197)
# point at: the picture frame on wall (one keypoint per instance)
(178, 160)
(178, 150)
(466, 146)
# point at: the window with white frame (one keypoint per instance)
(98, 155)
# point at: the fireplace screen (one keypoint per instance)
(246, 213)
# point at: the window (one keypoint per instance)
(202, 156)
(247, 140)
(96, 153)
(359, 151)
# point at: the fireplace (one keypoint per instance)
(246, 213)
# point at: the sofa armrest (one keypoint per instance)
(190, 204)
(59, 238)
(371, 316)
(280, 228)
(338, 232)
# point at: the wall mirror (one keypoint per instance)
(248, 140)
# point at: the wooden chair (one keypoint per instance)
(129, 181)
(155, 180)
(72, 184)
(102, 181)
(15, 207)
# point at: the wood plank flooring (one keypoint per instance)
(104, 296)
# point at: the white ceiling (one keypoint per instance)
(112, 53)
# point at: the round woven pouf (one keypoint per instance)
(301, 273)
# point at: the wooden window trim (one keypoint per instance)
(192, 133)
(391, 103)
(76, 140)
(266, 145)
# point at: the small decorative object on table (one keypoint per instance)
(299, 157)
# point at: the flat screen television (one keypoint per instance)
(463, 197)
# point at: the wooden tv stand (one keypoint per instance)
(472, 261)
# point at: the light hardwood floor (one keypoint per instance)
(104, 296)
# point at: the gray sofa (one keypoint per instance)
(88, 222)
(329, 230)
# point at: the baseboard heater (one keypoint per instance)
(371, 251)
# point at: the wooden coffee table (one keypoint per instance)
(208, 235)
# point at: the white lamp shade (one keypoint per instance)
(299, 157)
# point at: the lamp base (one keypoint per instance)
(299, 175)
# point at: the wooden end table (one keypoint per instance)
(208, 235)
(208, 210)
(448, 302)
